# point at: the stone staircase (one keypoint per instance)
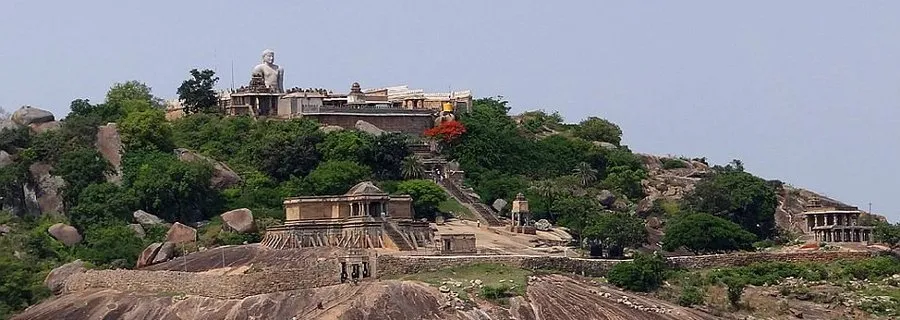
(428, 158)
(484, 213)
(402, 243)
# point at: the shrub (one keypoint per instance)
(669, 163)
(873, 269)
(690, 295)
(495, 293)
(645, 273)
(233, 238)
(735, 289)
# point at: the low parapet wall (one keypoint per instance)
(201, 284)
(398, 265)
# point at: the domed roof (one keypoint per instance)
(365, 188)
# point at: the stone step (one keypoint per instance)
(391, 230)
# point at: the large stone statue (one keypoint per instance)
(272, 74)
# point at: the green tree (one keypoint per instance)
(585, 173)
(626, 181)
(20, 284)
(335, 177)
(11, 140)
(735, 287)
(598, 129)
(175, 190)
(645, 273)
(13, 178)
(738, 196)
(146, 131)
(548, 193)
(576, 213)
(411, 168)
(345, 145)
(705, 233)
(283, 157)
(492, 140)
(616, 231)
(493, 185)
(113, 245)
(197, 92)
(131, 90)
(386, 156)
(426, 196)
(888, 234)
(79, 169)
(103, 203)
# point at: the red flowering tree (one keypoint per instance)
(447, 131)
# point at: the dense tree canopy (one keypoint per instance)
(705, 233)
(615, 231)
(738, 196)
(146, 131)
(597, 129)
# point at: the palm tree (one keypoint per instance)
(585, 173)
(547, 190)
(411, 169)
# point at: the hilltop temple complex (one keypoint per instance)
(392, 109)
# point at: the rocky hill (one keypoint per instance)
(547, 297)
(673, 183)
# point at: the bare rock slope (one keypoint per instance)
(547, 297)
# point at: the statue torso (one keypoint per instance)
(271, 73)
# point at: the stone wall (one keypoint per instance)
(206, 285)
(397, 265)
(412, 124)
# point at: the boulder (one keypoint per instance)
(452, 166)
(5, 159)
(180, 233)
(542, 225)
(368, 128)
(27, 115)
(620, 205)
(145, 218)
(47, 191)
(654, 223)
(4, 229)
(330, 128)
(109, 144)
(8, 124)
(223, 177)
(148, 254)
(44, 127)
(165, 253)
(56, 279)
(64, 233)
(606, 198)
(499, 204)
(239, 220)
(138, 230)
(605, 145)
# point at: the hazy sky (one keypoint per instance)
(807, 92)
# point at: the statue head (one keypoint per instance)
(268, 56)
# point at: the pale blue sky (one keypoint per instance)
(803, 91)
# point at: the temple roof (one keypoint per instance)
(365, 188)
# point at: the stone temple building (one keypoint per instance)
(836, 223)
(364, 217)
